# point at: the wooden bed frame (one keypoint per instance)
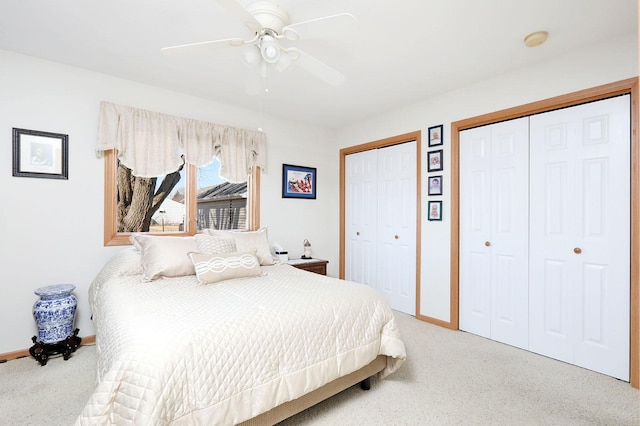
(290, 408)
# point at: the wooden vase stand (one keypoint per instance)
(42, 351)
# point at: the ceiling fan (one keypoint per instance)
(272, 44)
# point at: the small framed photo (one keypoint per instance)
(40, 154)
(435, 210)
(434, 160)
(435, 135)
(435, 185)
(298, 182)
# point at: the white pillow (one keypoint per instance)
(210, 245)
(211, 268)
(163, 256)
(249, 240)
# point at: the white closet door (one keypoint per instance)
(361, 217)
(396, 252)
(494, 225)
(509, 239)
(580, 227)
(475, 230)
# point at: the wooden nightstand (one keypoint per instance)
(318, 266)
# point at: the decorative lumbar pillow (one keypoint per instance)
(211, 245)
(249, 240)
(163, 256)
(211, 268)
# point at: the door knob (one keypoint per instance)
(577, 250)
(358, 233)
(396, 237)
(487, 243)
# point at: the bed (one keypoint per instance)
(173, 350)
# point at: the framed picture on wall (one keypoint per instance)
(434, 161)
(435, 135)
(435, 210)
(435, 185)
(298, 182)
(40, 154)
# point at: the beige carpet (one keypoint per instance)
(450, 378)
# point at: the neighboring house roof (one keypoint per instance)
(223, 191)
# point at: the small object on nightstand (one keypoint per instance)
(283, 256)
(306, 249)
(281, 253)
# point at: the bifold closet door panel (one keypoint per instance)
(397, 225)
(475, 231)
(493, 231)
(509, 237)
(579, 231)
(361, 217)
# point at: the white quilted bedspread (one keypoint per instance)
(174, 351)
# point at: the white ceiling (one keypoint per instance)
(401, 51)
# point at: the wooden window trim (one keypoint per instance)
(113, 238)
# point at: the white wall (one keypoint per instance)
(603, 63)
(52, 230)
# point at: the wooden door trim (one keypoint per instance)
(628, 86)
(383, 143)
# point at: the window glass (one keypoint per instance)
(180, 203)
(220, 204)
(149, 204)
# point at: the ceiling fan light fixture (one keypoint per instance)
(270, 49)
(251, 55)
(284, 62)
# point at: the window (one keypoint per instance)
(178, 204)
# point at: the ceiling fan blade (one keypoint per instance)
(319, 69)
(241, 14)
(205, 44)
(321, 27)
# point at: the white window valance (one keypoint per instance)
(151, 143)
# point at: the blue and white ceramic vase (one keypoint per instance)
(55, 312)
